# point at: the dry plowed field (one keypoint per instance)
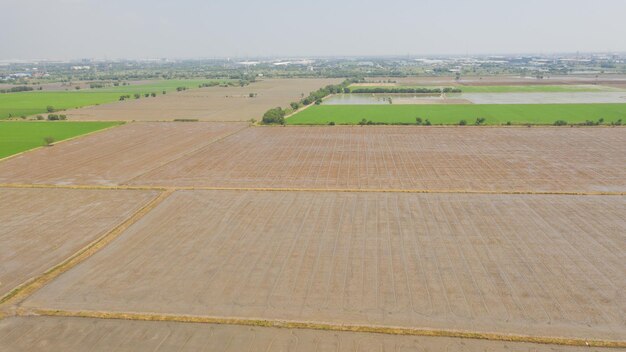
(522, 264)
(113, 156)
(207, 104)
(80, 334)
(448, 159)
(40, 228)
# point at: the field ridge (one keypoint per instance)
(328, 326)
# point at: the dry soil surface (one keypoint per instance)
(115, 155)
(207, 104)
(523, 264)
(408, 157)
(42, 227)
(81, 334)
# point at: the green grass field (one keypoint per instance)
(18, 136)
(36, 102)
(516, 89)
(452, 114)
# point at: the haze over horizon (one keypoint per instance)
(69, 29)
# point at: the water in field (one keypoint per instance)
(546, 98)
(479, 98)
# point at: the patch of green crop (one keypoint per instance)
(18, 136)
(495, 114)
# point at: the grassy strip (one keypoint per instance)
(506, 89)
(27, 288)
(333, 190)
(495, 114)
(291, 324)
(19, 136)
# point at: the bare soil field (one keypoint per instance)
(115, 155)
(80, 334)
(42, 227)
(611, 80)
(207, 104)
(524, 264)
(407, 158)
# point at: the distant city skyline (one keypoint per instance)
(187, 29)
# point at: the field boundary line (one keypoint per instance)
(28, 287)
(65, 140)
(195, 150)
(321, 190)
(328, 326)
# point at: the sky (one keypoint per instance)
(108, 29)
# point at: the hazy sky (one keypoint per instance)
(61, 29)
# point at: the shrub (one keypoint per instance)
(462, 122)
(47, 141)
(53, 117)
(480, 121)
(418, 120)
(137, 95)
(508, 123)
(39, 117)
(50, 108)
(331, 123)
(560, 123)
(427, 122)
(153, 94)
(63, 117)
(363, 122)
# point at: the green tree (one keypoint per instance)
(274, 116)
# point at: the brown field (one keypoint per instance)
(207, 104)
(522, 264)
(113, 156)
(408, 158)
(501, 80)
(80, 334)
(40, 228)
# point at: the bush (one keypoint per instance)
(153, 94)
(274, 116)
(50, 108)
(560, 123)
(295, 106)
(53, 117)
(137, 95)
(331, 123)
(63, 117)
(363, 122)
(418, 120)
(427, 122)
(39, 117)
(462, 122)
(508, 123)
(480, 121)
(47, 141)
